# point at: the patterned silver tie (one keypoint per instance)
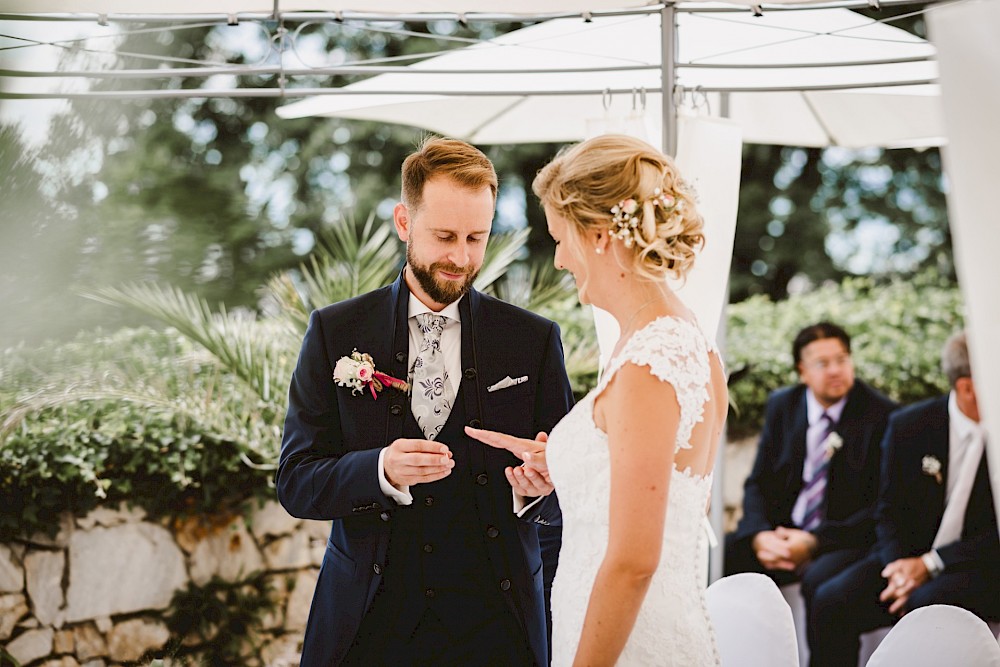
(432, 396)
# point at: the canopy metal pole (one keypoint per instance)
(668, 76)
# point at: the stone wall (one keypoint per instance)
(96, 594)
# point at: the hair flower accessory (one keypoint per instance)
(358, 371)
(625, 223)
(932, 466)
(832, 444)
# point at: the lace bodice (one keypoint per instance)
(673, 626)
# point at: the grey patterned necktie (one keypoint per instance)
(432, 396)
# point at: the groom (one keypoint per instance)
(433, 558)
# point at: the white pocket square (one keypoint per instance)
(507, 382)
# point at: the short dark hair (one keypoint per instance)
(461, 162)
(818, 331)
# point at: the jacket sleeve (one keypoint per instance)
(553, 399)
(317, 478)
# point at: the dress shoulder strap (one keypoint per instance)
(675, 351)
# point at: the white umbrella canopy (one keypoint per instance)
(751, 56)
(524, 7)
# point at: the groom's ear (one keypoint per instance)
(401, 218)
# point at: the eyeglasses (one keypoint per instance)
(823, 364)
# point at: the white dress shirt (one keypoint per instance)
(965, 451)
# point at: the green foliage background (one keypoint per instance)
(897, 332)
(178, 427)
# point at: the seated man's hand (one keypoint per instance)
(801, 544)
(409, 461)
(773, 551)
(903, 576)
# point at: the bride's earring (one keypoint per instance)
(599, 250)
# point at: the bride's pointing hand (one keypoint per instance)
(532, 477)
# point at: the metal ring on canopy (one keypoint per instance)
(640, 95)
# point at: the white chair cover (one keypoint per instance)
(753, 623)
(937, 635)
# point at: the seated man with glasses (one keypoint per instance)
(809, 502)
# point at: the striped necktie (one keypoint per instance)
(812, 494)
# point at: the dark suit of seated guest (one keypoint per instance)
(809, 502)
(937, 527)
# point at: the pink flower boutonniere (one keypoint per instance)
(931, 466)
(358, 371)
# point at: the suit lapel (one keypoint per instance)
(936, 438)
(394, 311)
(851, 425)
(469, 308)
(796, 445)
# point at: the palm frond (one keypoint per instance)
(281, 292)
(350, 259)
(501, 251)
(258, 353)
(540, 288)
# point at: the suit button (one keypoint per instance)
(428, 548)
(429, 593)
(377, 568)
(505, 585)
(492, 531)
(470, 373)
(482, 479)
(384, 516)
(475, 423)
(396, 410)
(429, 500)
(401, 357)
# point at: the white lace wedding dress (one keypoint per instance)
(673, 626)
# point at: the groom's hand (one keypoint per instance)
(530, 479)
(408, 462)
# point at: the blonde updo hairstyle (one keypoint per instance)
(585, 181)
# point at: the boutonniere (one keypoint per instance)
(358, 371)
(931, 466)
(832, 443)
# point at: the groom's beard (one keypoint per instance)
(441, 291)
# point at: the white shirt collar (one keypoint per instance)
(416, 307)
(962, 425)
(815, 410)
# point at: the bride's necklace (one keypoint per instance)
(625, 327)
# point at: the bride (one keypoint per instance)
(632, 462)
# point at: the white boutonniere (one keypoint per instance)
(832, 443)
(358, 371)
(931, 466)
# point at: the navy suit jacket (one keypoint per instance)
(327, 468)
(911, 502)
(774, 483)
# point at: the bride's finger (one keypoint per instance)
(514, 445)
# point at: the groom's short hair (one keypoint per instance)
(463, 163)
